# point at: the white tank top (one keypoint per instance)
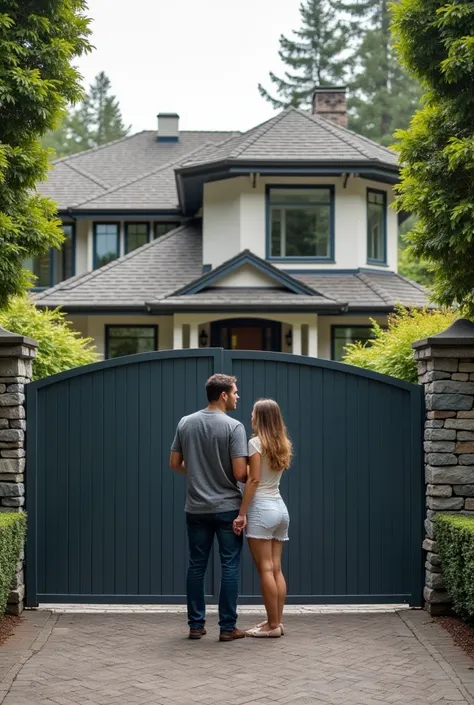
(269, 485)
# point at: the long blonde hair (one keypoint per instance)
(270, 428)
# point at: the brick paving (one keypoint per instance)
(332, 658)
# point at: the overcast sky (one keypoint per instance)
(202, 60)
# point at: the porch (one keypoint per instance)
(290, 333)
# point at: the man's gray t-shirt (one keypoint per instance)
(208, 440)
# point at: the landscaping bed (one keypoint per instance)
(8, 624)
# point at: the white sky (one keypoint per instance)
(202, 60)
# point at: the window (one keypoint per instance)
(376, 226)
(129, 340)
(301, 222)
(136, 235)
(106, 243)
(162, 228)
(56, 265)
(343, 335)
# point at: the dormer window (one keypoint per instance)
(376, 227)
(301, 222)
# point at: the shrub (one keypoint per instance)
(60, 347)
(390, 351)
(12, 537)
(455, 539)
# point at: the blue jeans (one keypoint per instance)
(201, 531)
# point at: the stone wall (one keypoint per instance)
(446, 368)
(16, 362)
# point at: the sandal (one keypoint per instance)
(262, 624)
(259, 632)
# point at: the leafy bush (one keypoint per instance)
(60, 347)
(455, 539)
(12, 536)
(390, 351)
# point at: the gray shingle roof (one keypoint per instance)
(154, 272)
(150, 272)
(368, 290)
(295, 135)
(249, 298)
(121, 162)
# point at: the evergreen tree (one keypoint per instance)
(436, 42)
(38, 41)
(383, 97)
(97, 120)
(314, 56)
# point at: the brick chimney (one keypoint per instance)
(329, 102)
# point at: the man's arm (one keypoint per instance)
(239, 469)
(239, 453)
(177, 462)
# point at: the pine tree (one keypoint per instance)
(97, 120)
(383, 97)
(314, 56)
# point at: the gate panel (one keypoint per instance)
(106, 514)
(354, 490)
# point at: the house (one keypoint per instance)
(280, 238)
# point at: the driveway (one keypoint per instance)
(325, 658)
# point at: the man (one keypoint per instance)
(210, 449)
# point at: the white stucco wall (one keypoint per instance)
(245, 276)
(221, 221)
(234, 219)
(82, 246)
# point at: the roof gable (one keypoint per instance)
(247, 259)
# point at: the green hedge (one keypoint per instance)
(12, 536)
(455, 539)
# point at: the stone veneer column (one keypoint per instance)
(16, 362)
(446, 368)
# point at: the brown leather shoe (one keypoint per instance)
(197, 633)
(231, 636)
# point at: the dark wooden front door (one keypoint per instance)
(246, 334)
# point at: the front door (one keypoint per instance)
(246, 334)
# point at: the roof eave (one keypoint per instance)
(172, 307)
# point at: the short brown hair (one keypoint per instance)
(217, 384)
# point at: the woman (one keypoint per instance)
(265, 511)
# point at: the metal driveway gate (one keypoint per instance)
(105, 513)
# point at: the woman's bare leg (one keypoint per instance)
(277, 549)
(261, 550)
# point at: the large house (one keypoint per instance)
(280, 238)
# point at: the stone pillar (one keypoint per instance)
(446, 369)
(16, 362)
(297, 339)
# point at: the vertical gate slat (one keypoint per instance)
(97, 481)
(121, 527)
(145, 470)
(133, 476)
(110, 482)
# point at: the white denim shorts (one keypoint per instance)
(268, 518)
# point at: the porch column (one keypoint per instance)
(193, 335)
(296, 338)
(313, 339)
(177, 334)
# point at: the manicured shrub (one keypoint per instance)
(390, 351)
(12, 536)
(455, 539)
(60, 347)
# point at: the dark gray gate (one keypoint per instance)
(105, 513)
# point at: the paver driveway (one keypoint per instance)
(335, 659)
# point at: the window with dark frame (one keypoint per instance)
(136, 235)
(301, 222)
(56, 265)
(106, 243)
(130, 340)
(162, 228)
(376, 226)
(342, 336)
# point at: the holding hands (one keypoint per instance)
(239, 524)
